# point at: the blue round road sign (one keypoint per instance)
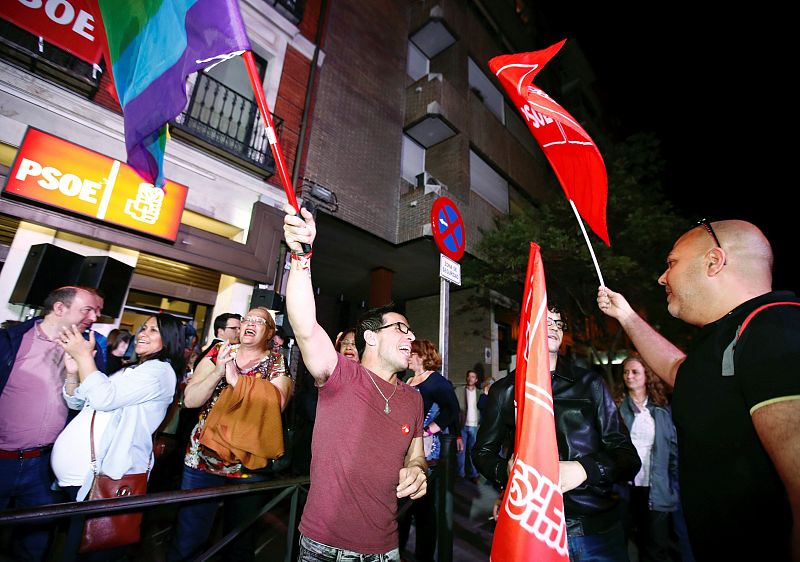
(448, 228)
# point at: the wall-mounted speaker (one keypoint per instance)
(47, 267)
(262, 297)
(110, 277)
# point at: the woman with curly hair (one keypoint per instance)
(654, 490)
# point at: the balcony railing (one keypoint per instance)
(221, 118)
(30, 52)
(290, 9)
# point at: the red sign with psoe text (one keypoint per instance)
(57, 173)
(72, 25)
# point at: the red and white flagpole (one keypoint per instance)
(272, 136)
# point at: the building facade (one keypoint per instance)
(407, 111)
(383, 106)
(227, 250)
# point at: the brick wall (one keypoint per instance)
(354, 145)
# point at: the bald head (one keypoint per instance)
(748, 252)
(705, 280)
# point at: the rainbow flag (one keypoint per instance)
(154, 45)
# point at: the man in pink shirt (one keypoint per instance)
(32, 409)
(366, 450)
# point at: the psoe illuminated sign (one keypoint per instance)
(57, 173)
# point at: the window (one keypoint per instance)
(483, 87)
(417, 64)
(487, 183)
(412, 160)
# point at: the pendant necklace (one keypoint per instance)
(386, 408)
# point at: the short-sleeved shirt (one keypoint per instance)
(202, 458)
(729, 486)
(357, 452)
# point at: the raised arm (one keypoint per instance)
(318, 352)
(662, 356)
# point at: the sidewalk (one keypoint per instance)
(472, 528)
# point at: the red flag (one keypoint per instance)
(531, 524)
(572, 153)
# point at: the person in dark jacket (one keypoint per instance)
(594, 449)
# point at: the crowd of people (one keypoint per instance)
(691, 455)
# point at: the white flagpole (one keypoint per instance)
(589, 244)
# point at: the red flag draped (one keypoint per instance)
(531, 523)
(575, 159)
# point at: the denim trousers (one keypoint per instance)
(610, 546)
(29, 483)
(313, 551)
(468, 435)
(196, 519)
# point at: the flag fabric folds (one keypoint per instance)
(573, 155)
(154, 46)
(531, 523)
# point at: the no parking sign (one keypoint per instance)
(448, 228)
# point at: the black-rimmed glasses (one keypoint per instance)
(707, 225)
(560, 324)
(402, 326)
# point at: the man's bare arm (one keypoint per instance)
(319, 355)
(413, 479)
(776, 425)
(662, 356)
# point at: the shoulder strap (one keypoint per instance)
(727, 355)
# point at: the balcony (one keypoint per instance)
(434, 111)
(28, 51)
(223, 121)
(292, 10)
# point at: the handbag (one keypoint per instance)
(109, 531)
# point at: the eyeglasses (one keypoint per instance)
(347, 343)
(560, 324)
(254, 320)
(402, 326)
(707, 225)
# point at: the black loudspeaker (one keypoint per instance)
(262, 297)
(110, 277)
(46, 268)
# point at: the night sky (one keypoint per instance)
(716, 90)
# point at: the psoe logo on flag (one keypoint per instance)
(57, 173)
(532, 502)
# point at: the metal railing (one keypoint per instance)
(290, 9)
(227, 120)
(291, 488)
(441, 482)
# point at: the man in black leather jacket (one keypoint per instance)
(594, 449)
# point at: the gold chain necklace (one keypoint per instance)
(386, 409)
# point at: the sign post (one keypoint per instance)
(451, 239)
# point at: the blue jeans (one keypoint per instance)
(313, 551)
(468, 435)
(28, 482)
(196, 519)
(610, 546)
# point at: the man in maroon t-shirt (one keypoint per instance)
(366, 450)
